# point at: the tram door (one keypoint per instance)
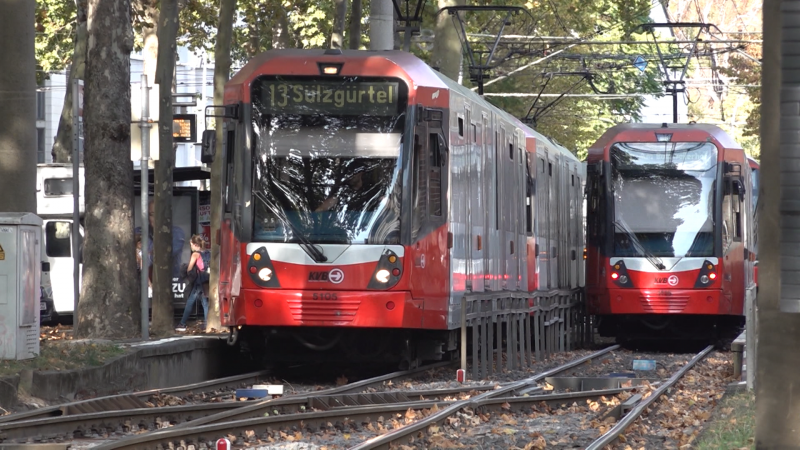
(543, 221)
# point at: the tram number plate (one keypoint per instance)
(42, 306)
(324, 296)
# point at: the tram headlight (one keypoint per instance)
(261, 270)
(387, 272)
(382, 276)
(619, 275)
(707, 275)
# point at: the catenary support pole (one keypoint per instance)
(77, 100)
(381, 25)
(144, 193)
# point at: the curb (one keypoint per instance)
(148, 365)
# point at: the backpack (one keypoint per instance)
(203, 276)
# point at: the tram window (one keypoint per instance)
(230, 146)
(497, 181)
(421, 186)
(511, 151)
(461, 126)
(528, 199)
(435, 179)
(732, 215)
(474, 133)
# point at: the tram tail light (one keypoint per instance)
(388, 271)
(619, 274)
(707, 275)
(261, 270)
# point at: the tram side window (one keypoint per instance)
(435, 186)
(421, 186)
(528, 197)
(731, 213)
(230, 145)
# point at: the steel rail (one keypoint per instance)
(118, 399)
(385, 440)
(265, 406)
(356, 414)
(612, 434)
(251, 418)
(59, 426)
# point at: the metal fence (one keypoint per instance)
(528, 324)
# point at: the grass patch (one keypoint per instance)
(63, 355)
(733, 425)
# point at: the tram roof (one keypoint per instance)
(642, 132)
(295, 62)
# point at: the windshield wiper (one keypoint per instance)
(311, 249)
(637, 244)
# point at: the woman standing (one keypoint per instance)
(195, 263)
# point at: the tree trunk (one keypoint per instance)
(17, 107)
(150, 38)
(109, 305)
(339, 18)
(62, 147)
(168, 241)
(777, 409)
(281, 35)
(355, 25)
(222, 67)
(447, 54)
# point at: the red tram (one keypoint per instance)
(670, 232)
(364, 193)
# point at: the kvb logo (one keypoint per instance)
(336, 276)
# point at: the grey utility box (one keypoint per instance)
(20, 284)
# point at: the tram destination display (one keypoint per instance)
(339, 97)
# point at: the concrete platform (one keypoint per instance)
(148, 365)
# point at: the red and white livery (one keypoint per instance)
(670, 232)
(364, 193)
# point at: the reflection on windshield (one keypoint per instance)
(326, 178)
(664, 194)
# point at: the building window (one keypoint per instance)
(40, 146)
(39, 105)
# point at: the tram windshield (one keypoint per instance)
(326, 159)
(663, 199)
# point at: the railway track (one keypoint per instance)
(263, 418)
(135, 399)
(127, 412)
(621, 413)
(359, 416)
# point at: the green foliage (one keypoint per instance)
(733, 425)
(64, 355)
(55, 31)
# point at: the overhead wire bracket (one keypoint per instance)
(536, 111)
(483, 56)
(411, 20)
(674, 82)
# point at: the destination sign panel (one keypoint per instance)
(328, 97)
